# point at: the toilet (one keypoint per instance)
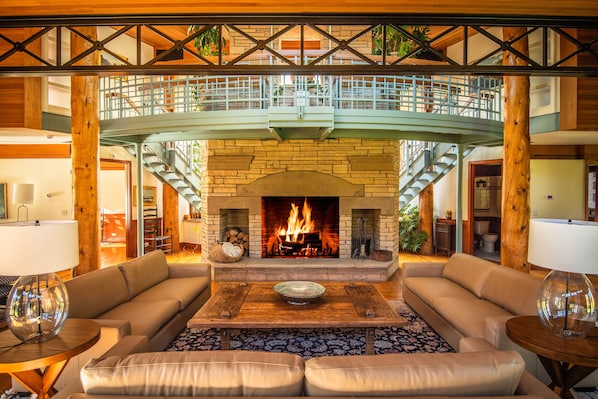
(481, 227)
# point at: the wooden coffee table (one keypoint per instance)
(256, 305)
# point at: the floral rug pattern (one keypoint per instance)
(416, 336)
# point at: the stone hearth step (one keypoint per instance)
(283, 269)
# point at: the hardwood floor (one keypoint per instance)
(113, 254)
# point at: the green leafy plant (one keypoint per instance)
(397, 42)
(410, 237)
(207, 42)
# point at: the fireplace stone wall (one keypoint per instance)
(363, 174)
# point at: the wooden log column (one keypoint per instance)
(170, 213)
(85, 128)
(426, 218)
(516, 169)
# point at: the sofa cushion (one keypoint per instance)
(144, 272)
(430, 288)
(513, 290)
(468, 315)
(468, 271)
(96, 292)
(418, 374)
(184, 290)
(145, 318)
(210, 373)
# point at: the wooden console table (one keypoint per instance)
(566, 360)
(38, 365)
(256, 305)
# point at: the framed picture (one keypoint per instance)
(149, 195)
(3, 211)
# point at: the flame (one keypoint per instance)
(296, 225)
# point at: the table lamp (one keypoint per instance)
(37, 305)
(22, 194)
(567, 298)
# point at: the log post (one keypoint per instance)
(170, 213)
(516, 169)
(85, 128)
(426, 218)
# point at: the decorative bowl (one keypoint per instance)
(299, 292)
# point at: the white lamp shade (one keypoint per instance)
(29, 249)
(22, 193)
(560, 244)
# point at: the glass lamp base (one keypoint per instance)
(37, 307)
(567, 304)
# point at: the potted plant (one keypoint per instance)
(207, 42)
(410, 237)
(400, 44)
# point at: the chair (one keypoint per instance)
(154, 234)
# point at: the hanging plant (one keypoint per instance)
(398, 43)
(207, 42)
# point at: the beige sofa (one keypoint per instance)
(145, 296)
(233, 374)
(471, 297)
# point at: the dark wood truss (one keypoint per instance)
(171, 30)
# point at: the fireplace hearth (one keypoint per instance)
(295, 227)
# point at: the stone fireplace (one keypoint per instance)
(349, 188)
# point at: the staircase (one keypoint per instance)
(172, 166)
(423, 164)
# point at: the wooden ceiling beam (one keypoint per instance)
(582, 8)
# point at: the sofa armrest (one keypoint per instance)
(111, 332)
(180, 270)
(423, 269)
(528, 385)
(496, 333)
(127, 345)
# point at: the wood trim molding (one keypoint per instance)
(16, 151)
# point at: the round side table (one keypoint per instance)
(38, 365)
(566, 360)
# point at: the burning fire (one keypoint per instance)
(297, 226)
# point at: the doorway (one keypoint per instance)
(485, 198)
(115, 207)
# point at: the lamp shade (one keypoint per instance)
(22, 193)
(46, 246)
(565, 245)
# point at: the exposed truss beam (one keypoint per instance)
(261, 55)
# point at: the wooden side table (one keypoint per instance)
(566, 360)
(38, 365)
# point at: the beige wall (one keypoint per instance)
(49, 176)
(563, 180)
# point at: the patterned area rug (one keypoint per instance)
(416, 336)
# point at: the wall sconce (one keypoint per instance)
(22, 194)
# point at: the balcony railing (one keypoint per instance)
(131, 96)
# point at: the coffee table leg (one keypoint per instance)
(225, 339)
(370, 340)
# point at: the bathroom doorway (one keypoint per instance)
(485, 197)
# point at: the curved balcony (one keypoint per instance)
(464, 110)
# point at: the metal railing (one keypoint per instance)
(475, 97)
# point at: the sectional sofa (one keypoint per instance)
(471, 297)
(145, 296)
(234, 374)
